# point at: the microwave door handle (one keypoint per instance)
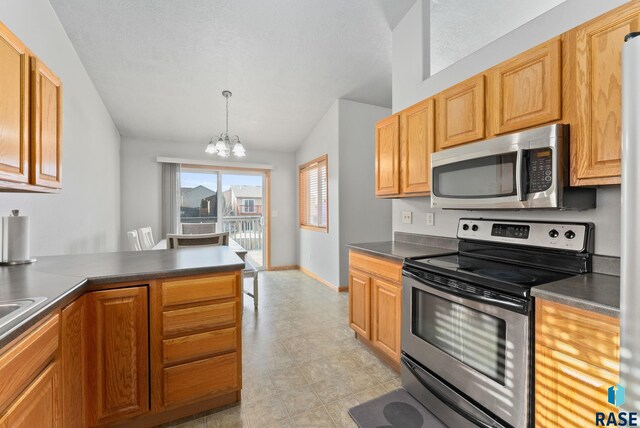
(520, 175)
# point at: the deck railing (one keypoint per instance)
(245, 230)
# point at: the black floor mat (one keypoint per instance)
(396, 409)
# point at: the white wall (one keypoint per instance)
(142, 182)
(409, 88)
(408, 51)
(85, 216)
(346, 135)
(319, 252)
(363, 217)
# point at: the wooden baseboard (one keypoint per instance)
(288, 267)
(322, 280)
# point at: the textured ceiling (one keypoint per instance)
(461, 27)
(160, 65)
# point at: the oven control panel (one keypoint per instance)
(561, 236)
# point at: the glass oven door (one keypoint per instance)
(474, 343)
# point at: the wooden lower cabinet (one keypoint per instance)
(386, 317)
(375, 296)
(74, 363)
(360, 303)
(40, 405)
(30, 392)
(576, 361)
(118, 354)
(196, 335)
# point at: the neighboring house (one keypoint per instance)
(199, 201)
(242, 200)
(192, 197)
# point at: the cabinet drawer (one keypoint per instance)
(183, 291)
(25, 360)
(588, 336)
(198, 318)
(568, 391)
(199, 379)
(376, 266)
(199, 345)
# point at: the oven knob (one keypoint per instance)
(465, 227)
(569, 234)
(553, 233)
(474, 227)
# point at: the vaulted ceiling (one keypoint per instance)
(160, 65)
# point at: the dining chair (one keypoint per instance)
(202, 239)
(198, 228)
(146, 238)
(134, 242)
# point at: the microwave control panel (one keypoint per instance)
(540, 169)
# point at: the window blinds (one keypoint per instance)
(314, 194)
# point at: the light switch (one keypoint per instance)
(431, 218)
(274, 213)
(407, 217)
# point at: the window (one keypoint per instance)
(313, 194)
(248, 206)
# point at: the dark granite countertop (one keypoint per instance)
(60, 279)
(593, 291)
(400, 250)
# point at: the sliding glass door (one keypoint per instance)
(233, 201)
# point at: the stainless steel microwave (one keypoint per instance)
(526, 170)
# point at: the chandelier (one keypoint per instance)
(226, 145)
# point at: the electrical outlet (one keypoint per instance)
(407, 217)
(431, 218)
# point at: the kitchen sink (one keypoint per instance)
(12, 309)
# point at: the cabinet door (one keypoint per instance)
(526, 90)
(417, 144)
(360, 303)
(596, 145)
(569, 392)
(461, 113)
(388, 157)
(39, 405)
(74, 368)
(14, 108)
(386, 317)
(46, 126)
(118, 354)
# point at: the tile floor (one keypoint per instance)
(302, 366)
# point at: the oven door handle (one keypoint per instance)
(520, 307)
(520, 175)
(412, 368)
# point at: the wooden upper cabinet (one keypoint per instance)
(387, 157)
(14, 108)
(118, 354)
(597, 133)
(417, 140)
(461, 113)
(526, 90)
(46, 126)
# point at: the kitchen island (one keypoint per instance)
(132, 338)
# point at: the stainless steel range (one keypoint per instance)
(467, 318)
